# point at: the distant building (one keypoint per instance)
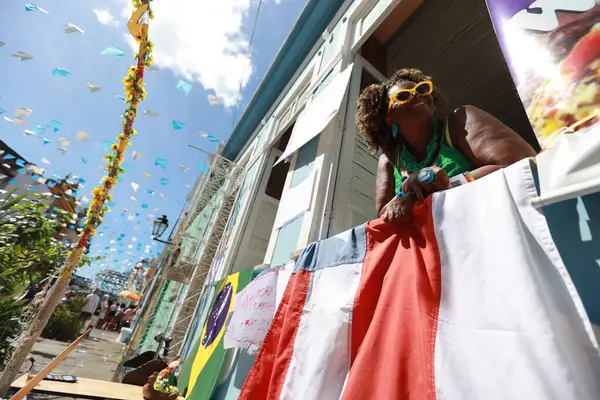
(81, 284)
(21, 177)
(111, 281)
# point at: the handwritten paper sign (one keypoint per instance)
(252, 313)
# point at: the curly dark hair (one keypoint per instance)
(373, 107)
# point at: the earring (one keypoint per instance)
(395, 130)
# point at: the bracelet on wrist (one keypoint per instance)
(402, 194)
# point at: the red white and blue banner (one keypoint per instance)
(470, 301)
(552, 48)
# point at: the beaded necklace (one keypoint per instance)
(409, 161)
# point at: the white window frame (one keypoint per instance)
(358, 33)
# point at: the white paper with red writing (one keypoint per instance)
(252, 314)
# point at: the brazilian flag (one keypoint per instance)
(201, 368)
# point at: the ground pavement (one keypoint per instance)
(96, 357)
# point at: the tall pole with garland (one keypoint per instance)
(134, 94)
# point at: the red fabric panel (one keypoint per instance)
(267, 375)
(394, 321)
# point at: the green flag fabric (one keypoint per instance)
(201, 368)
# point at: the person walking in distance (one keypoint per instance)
(90, 305)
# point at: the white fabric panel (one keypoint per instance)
(284, 273)
(295, 201)
(571, 168)
(511, 324)
(318, 113)
(321, 357)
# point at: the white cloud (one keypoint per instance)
(202, 41)
(105, 17)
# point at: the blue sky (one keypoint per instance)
(202, 42)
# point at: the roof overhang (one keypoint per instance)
(307, 30)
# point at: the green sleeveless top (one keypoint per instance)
(449, 158)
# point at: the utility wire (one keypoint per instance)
(237, 99)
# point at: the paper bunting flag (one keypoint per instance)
(135, 186)
(132, 198)
(150, 113)
(64, 141)
(39, 129)
(144, 206)
(93, 87)
(136, 155)
(119, 97)
(206, 136)
(60, 72)
(82, 136)
(8, 119)
(23, 112)
(184, 86)
(183, 168)
(153, 68)
(161, 162)
(146, 174)
(63, 150)
(46, 161)
(33, 7)
(28, 132)
(106, 144)
(22, 55)
(2, 110)
(214, 100)
(134, 239)
(55, 125)
(163, 196)
(70, 28)
(164, 181)
(149, 191)
(113, 51)
(46, 141)
(19, 121)
(178, 125)
(187, 186)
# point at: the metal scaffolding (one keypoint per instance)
(195, 251)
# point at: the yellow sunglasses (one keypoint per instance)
(404, 96)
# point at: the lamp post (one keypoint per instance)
(160, 226)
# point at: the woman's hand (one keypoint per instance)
(149, 393)
(398, 210)
(422, 190)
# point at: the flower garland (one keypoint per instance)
(134, 94)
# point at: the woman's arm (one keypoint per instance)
(385, 184)
(486, 141)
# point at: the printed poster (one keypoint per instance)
(552, 48)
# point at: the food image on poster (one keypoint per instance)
(575, 93)
(553, 51)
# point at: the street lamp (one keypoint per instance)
(160, 226)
